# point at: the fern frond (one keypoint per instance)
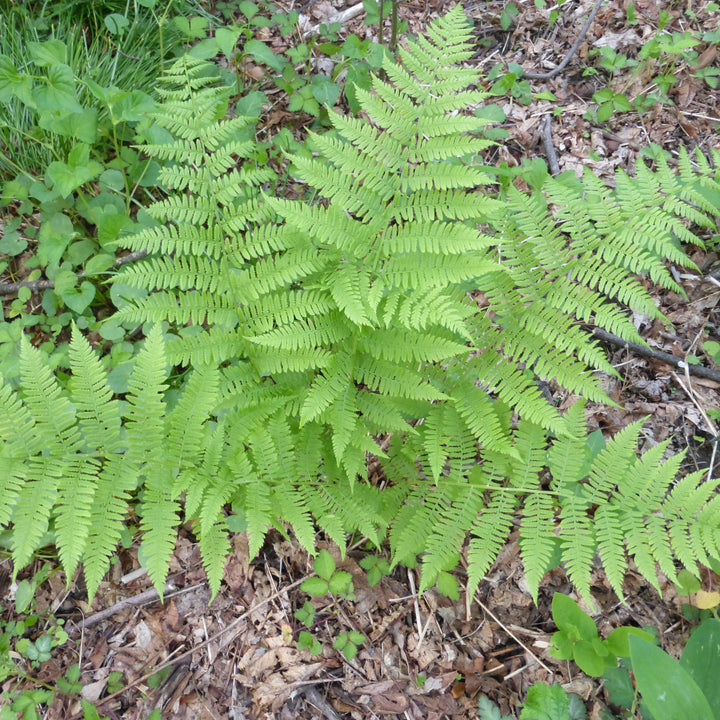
(31, 515)
(117, 479)
(98, 414)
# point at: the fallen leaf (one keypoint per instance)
(704, 600)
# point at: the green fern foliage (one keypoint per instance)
(367, 362)
(84, 453)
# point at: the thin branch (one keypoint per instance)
(148, 596)
(573, 49)
(546, 135)
(489, 612)
(648, 352)
(38, 285)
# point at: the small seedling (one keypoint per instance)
(610, 102)
(349, 643)
(375, 567)
(307, 642)
(577, 638)
(330, 580)
(544, 702)
(306, 614)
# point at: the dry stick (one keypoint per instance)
(489, 612)
(319, 702)
(546, 134)
(203, 644)
(644, 351)
(139, 599)
(38, 285)
(573, 49)
(690, 391)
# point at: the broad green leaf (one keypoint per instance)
(250, 105)
(79, 169)
(667, 688)
(113, 179)
(622, 104)
(98, 264)
(605, 111)
(50, 52)
(340, 583)
(55, 235)
(324, 564)
(13, 83)
(491, 113)
(58, 90)
(79, 300)
(248, 9)
(133, 107)
(571, 619)
(79, 125)
(701, 658)
(226, 39)
(108, 95)
(205, 49)
(619, 686)
(262, 53)
(618, 641)
(324, 90)
(65, 281)
(192, 28)
(562, 647)
(11, 242)
(315, 586)
(24, 596)
(588, 659)
(116, 23)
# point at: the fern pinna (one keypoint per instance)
(406, 316)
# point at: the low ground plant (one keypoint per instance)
(408, 306)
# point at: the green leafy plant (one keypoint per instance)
(612, 61)
(329, 580)
(510, 83)
(306, 641)
(665, 688)
(349, 643)
(577, 638)
(610, 102)
(306, 614)
(394, 313)
(375, 567)
(543, 702)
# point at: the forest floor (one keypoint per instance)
(426, 656)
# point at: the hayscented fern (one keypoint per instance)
(402, 320)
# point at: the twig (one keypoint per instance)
(690, 392)
(418, 618)
(139, 599)
(648, 352)
(573, 49)
(487, 611)
(340, 17)
(38, 285)
(546, 135)
(319, 702)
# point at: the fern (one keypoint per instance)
(401, 321)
